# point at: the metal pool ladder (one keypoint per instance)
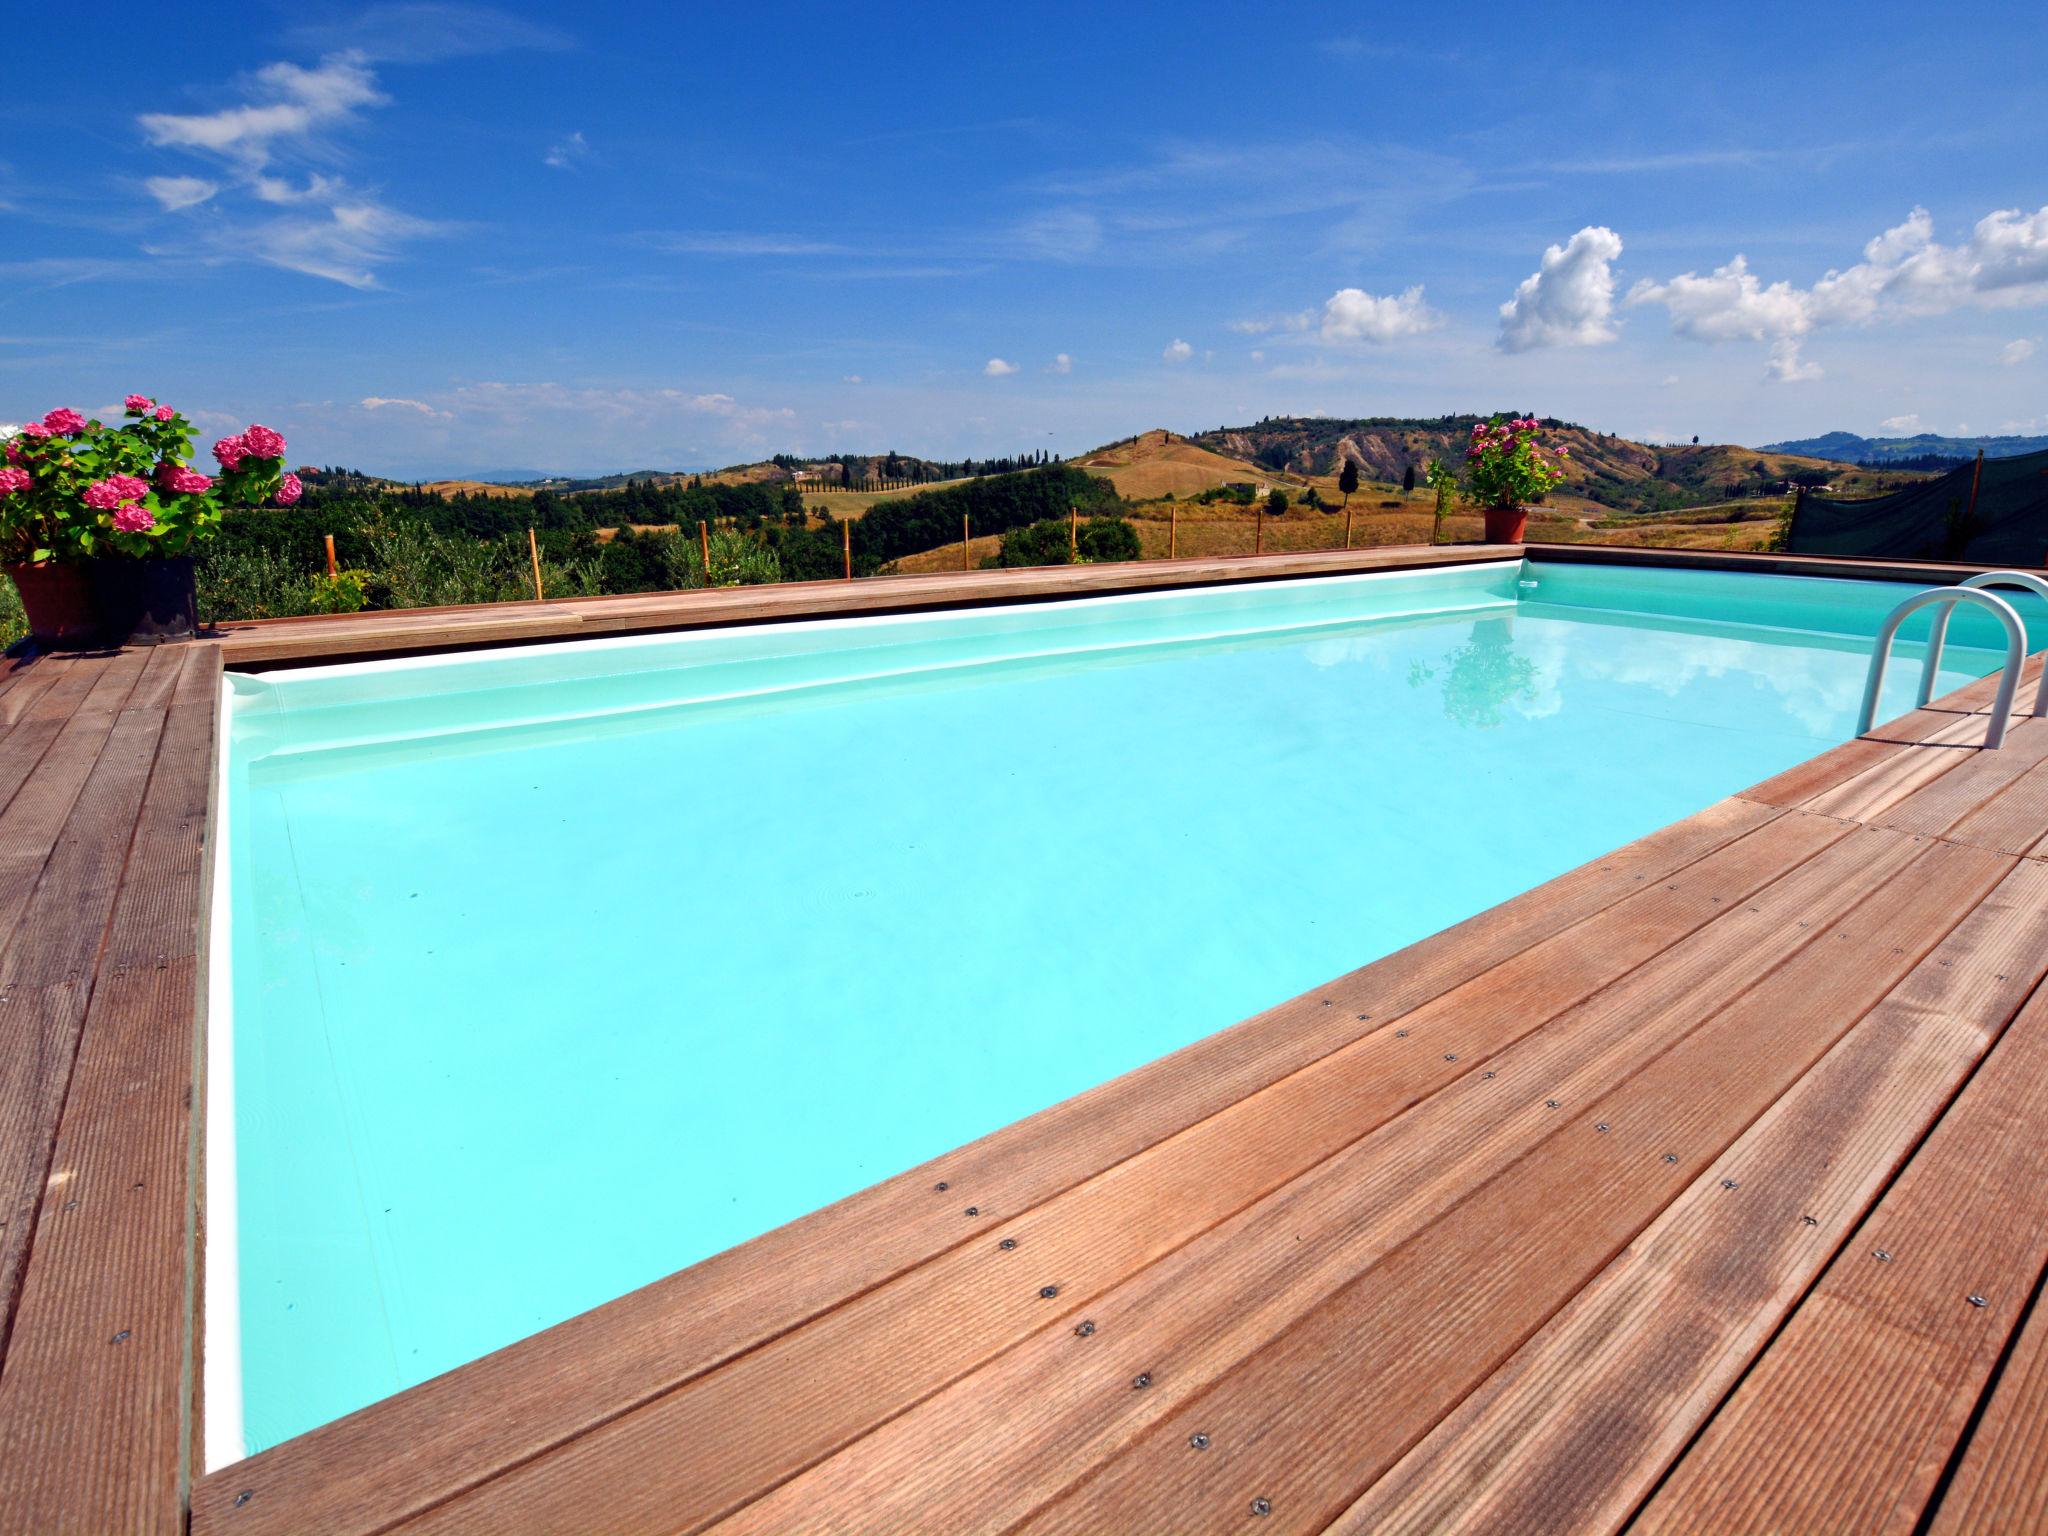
(1946, 599)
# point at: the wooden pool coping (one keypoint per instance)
(1571, 1215)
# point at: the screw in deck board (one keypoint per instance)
(942, 1186)
(1979, 1301)
(1141, 1381)
(1603, 1127)
(1486, 1074)
(1400, 1034)
(1670, 1157)
(1730, 1184)
(1450, 1056)
(1007, 1244)
(1550, 1103)
(1084, 1328)
(1881, 1256)
(1809, 1221)
(1199, 1441)
(1048, 1291)
(1262, 1506)
(974, 1210)
(119, 1338)
(244, 1497)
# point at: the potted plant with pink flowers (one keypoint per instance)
(122, 508)
(1510, 469)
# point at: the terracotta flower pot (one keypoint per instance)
(58, 601)
(145, 602)
(1506, 525)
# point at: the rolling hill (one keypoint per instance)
(1851, 449)
(1614, 472)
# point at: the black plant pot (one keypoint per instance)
(145, 602)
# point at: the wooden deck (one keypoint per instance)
(1702, 1188)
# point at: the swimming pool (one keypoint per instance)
(551, 971)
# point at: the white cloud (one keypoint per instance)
(1568, 301)
(1729, 304)
(1061, 363)
(854, 378)
(568, 153)
(292, 103)
(344, 243)
(176, 192)
(1904, 272)
(996, 368)
(384, 402)
(1352, 314)
(1905, 425)
(1176, 351)
(2013, 353)
(1787, 366)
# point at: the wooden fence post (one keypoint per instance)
(1073, 530)
(966, 545)
(1347, 527)
(704, 547)
(330, 557)
(1173, 532)
(533, 549)
(846, 546)
(1258, 530)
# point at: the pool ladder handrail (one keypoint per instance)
(1946, 598)
(2026, 581)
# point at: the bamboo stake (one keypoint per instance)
(330, 557)
(1173, 532)
(1258, 531)
(846, 547)
(1347, 527)
(532, 548)
(1073, 530)
(704, 547)
(966, 544)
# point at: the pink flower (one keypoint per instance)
(164, 413)
(36, 429)
(231, 451)
(14, 453)
(264, 443)
(288, 490)
(12, 480)
(134, 519)
(137, 404)
(177, 477)
(105, 495)
(64, 421)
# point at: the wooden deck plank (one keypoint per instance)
(1041, 1417)
(1574, 1432)
(58, 918)
(1937, 806)
(760, 1419)
(2001, 1483)
(92, 1406)
(2014, 820)
(647, 1344)
(1323, 1411)
(1850, 1417)
(288, 640)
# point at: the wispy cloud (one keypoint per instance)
(998, 368)
(1176, 351)
(335, 231)
(567, 153)
(741, 242)
(422, 31)
(383, 402)
(175, 192)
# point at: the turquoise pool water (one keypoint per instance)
(555, 970)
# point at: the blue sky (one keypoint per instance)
(440, 238)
